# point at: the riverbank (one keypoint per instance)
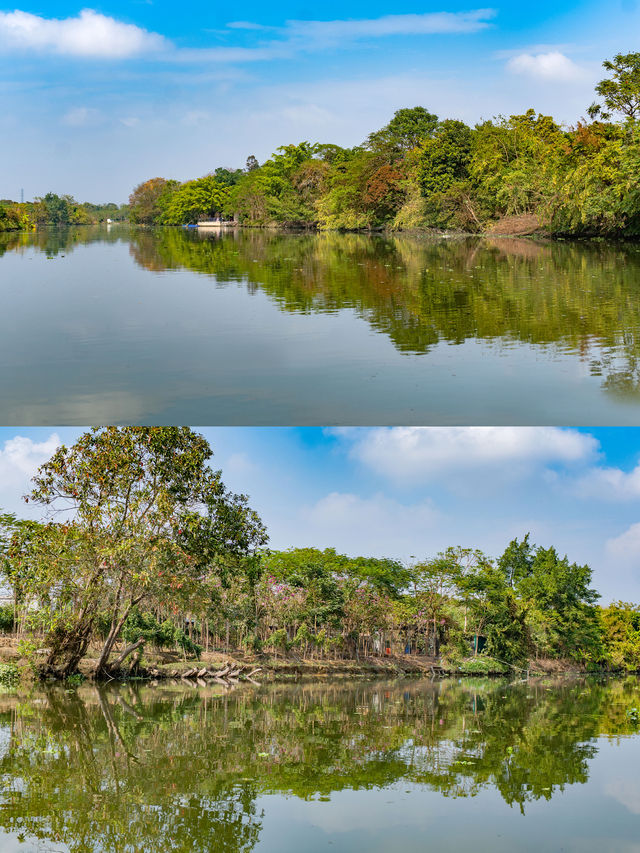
(239, 666)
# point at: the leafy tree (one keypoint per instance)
(53, 209)
(621, 634)
(149, 521)
(343, 205)
(560, 608)
(597, 192)
(444, 175)
(408, 128)
(434, 583)
(516, 561)
(513, 164)
(621, 91)
(495, 612)
(193, 200)
(149, 200)
(385, 192)
(228, 177)
(269, 193)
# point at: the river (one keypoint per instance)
(120, 325)
(358, 767)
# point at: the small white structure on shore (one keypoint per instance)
(216, 223)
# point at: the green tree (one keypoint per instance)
(270, 193)
(434, 583)
(559, 603)
(149, 522)
(198, 199)
(495, 612)
(443, 174)
(621, 91)
(53, 209)
(516, 561)
(621, 634)
(408, 128)
(149, 200)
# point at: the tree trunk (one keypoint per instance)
(114, 633)
(125, 654)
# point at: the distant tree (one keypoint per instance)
(406, 130)
(559, 604)
(53, 209)
(516, 561)
(149, 199)
(252, 163)
(433, 586)
(228, 177)
(194, 200)
(271, 193)
(621, 91)
(385, 192)
(333, 154)
(621, 625)
(495, 612)
(445, 157)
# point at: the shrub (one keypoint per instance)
(9, 674)
(253, 643)
(482, 665)
(277, 640)
(6, 619)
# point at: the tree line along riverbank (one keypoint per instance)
(509, 175)
(152, 555)
(514, 174)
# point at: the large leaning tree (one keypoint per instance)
(135, 517)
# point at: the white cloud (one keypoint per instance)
(619, 575)
(609, 484)
(246, 25)
(625, 548)
(430, 23)
(93, 35)
(240, 464)
(196, 118)
(90, 34)
(300, 36)
(309, 115)
(81, 117)
(420, 453)
(21, 457)
(374, 525)
(553, 66)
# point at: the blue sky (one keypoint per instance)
(410, 492)
(96, 98)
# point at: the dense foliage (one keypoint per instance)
(53, 209)
(149, 547)
(521, 172)
(422, 172)
(147, 522)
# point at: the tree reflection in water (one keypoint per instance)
(419, 291)
(137, 768)
(580, 297)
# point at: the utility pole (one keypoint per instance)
(22, 196)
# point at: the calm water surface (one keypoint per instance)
(257, 327)
(378, 767)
